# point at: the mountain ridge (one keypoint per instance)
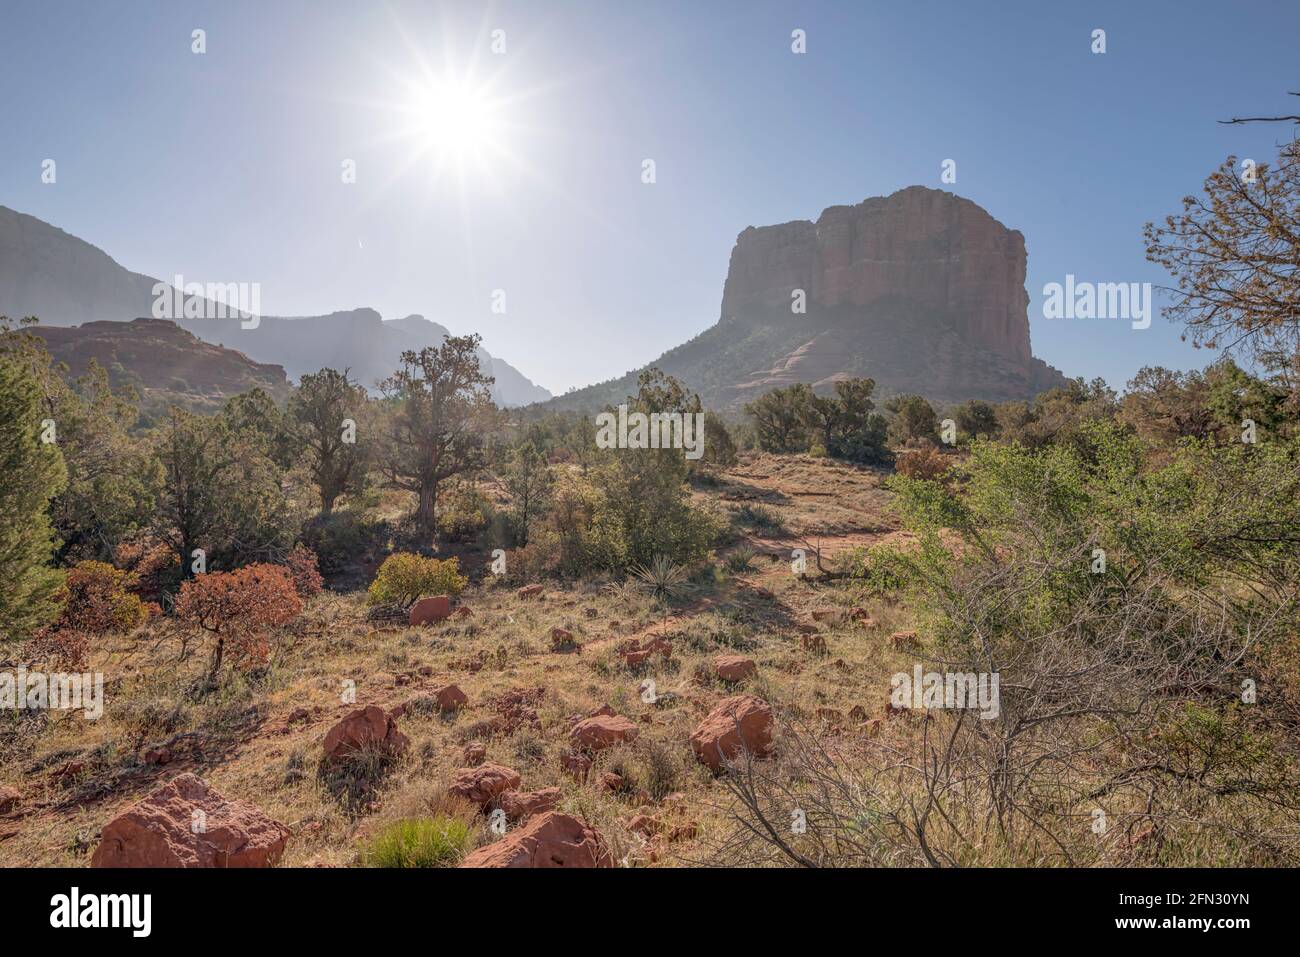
(66, 281)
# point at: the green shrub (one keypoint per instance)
(340, 536)
(741, 560)
(758, 518)
(419, 842)
(404, 577)
(96, 599)
(33, 473)
(464, 512)
(883, 570)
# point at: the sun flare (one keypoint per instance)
(454, 118)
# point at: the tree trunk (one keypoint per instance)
(215, 668)
(424, 514)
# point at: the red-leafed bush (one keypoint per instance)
(98, 599)
(64, 649)
(151, 561)
(304, 571)
(239, 609)
(924, 463)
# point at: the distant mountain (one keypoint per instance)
(65, 281)
(922, 291)
(166, 363)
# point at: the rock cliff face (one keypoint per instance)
(163, 361)
(920, 249)
(922, 291)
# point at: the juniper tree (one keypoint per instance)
(33, 473)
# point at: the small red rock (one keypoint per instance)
(483, 784)
(475, 753)
(529, 591)
(683, 832)
(904, 640)
(814, 643)
(450, 698)
(575, 765)
(741, 723)
(9, 798)
(157, 756)
(520, 805)
(602, 731)
(547, 840)
(435, 608)
(369, 728)
(645, 825)
(734, 667)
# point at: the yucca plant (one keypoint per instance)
(663, 577)
(742, 559)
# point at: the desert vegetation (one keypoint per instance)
(412, 629)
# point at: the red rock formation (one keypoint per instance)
(935, 251)
(186, 823)
(922, 291)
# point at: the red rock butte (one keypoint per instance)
(922, 291)
(931, 249)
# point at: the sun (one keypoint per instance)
(452, 118)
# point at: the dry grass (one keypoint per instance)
(239, 739)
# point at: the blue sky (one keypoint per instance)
(226, 166)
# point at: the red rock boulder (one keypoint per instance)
(602, 731)
(575, 765)
(740, 723)
(520, 805)
(484, 784)
(426, 610)
(367, 729)
(551, 839)
(187, 823)
(734, 667)
(450, 698)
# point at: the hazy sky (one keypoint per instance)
(227, 166)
